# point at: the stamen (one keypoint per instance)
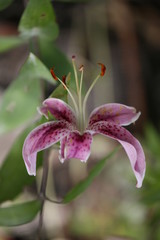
(64, 85)
(81, 80)
(75, 73)
(103, 69)
(53, 74)
(64, 79)
(81, 68)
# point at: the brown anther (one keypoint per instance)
(53, 74)
(81, 68)
(73, 57)
(64, 79)
(103, 69)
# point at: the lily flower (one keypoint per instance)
(75, 133)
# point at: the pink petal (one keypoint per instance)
(59, 109)
(114, 112)
(41, 138)
(76, 146)
(130, 144)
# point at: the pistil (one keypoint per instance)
(79, 94)
(82, 123)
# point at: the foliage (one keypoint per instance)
(150, 195)
(14, 166)
(23, 93)
(19, 214)
(4, 4)
(84, 184)
(38, 28)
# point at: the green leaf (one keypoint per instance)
(7, 43)
(38, 19)
(83, 185)
(20, 101)
(60, 93)
(19, 214)
(13, 173)
(4, 4)
(52, 56)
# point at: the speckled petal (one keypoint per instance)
(41, 138)
(76, 146)
(130, 144)
(59, 109)
(114, 112)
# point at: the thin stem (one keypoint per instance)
(43, 192)
(53, 201)
(87, 95)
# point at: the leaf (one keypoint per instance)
(38, 19)
(60, 93)
(7, 43)
(83, 185)
(53, 57)
(20, 101)
(13, 173)
(19, 214)
(4, 4)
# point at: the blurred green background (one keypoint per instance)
(125, 36)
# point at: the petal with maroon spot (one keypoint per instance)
(77, 146)
(130, 144)
(59, 109)
(114, 112)
(41, 138)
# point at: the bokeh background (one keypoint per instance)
(125, 36)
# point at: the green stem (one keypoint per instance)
(43, 193)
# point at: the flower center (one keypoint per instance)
(80, 104)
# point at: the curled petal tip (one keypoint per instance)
(61, 159)
(84, 161)
(103, 69)
(138, 185)
(43, 111)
